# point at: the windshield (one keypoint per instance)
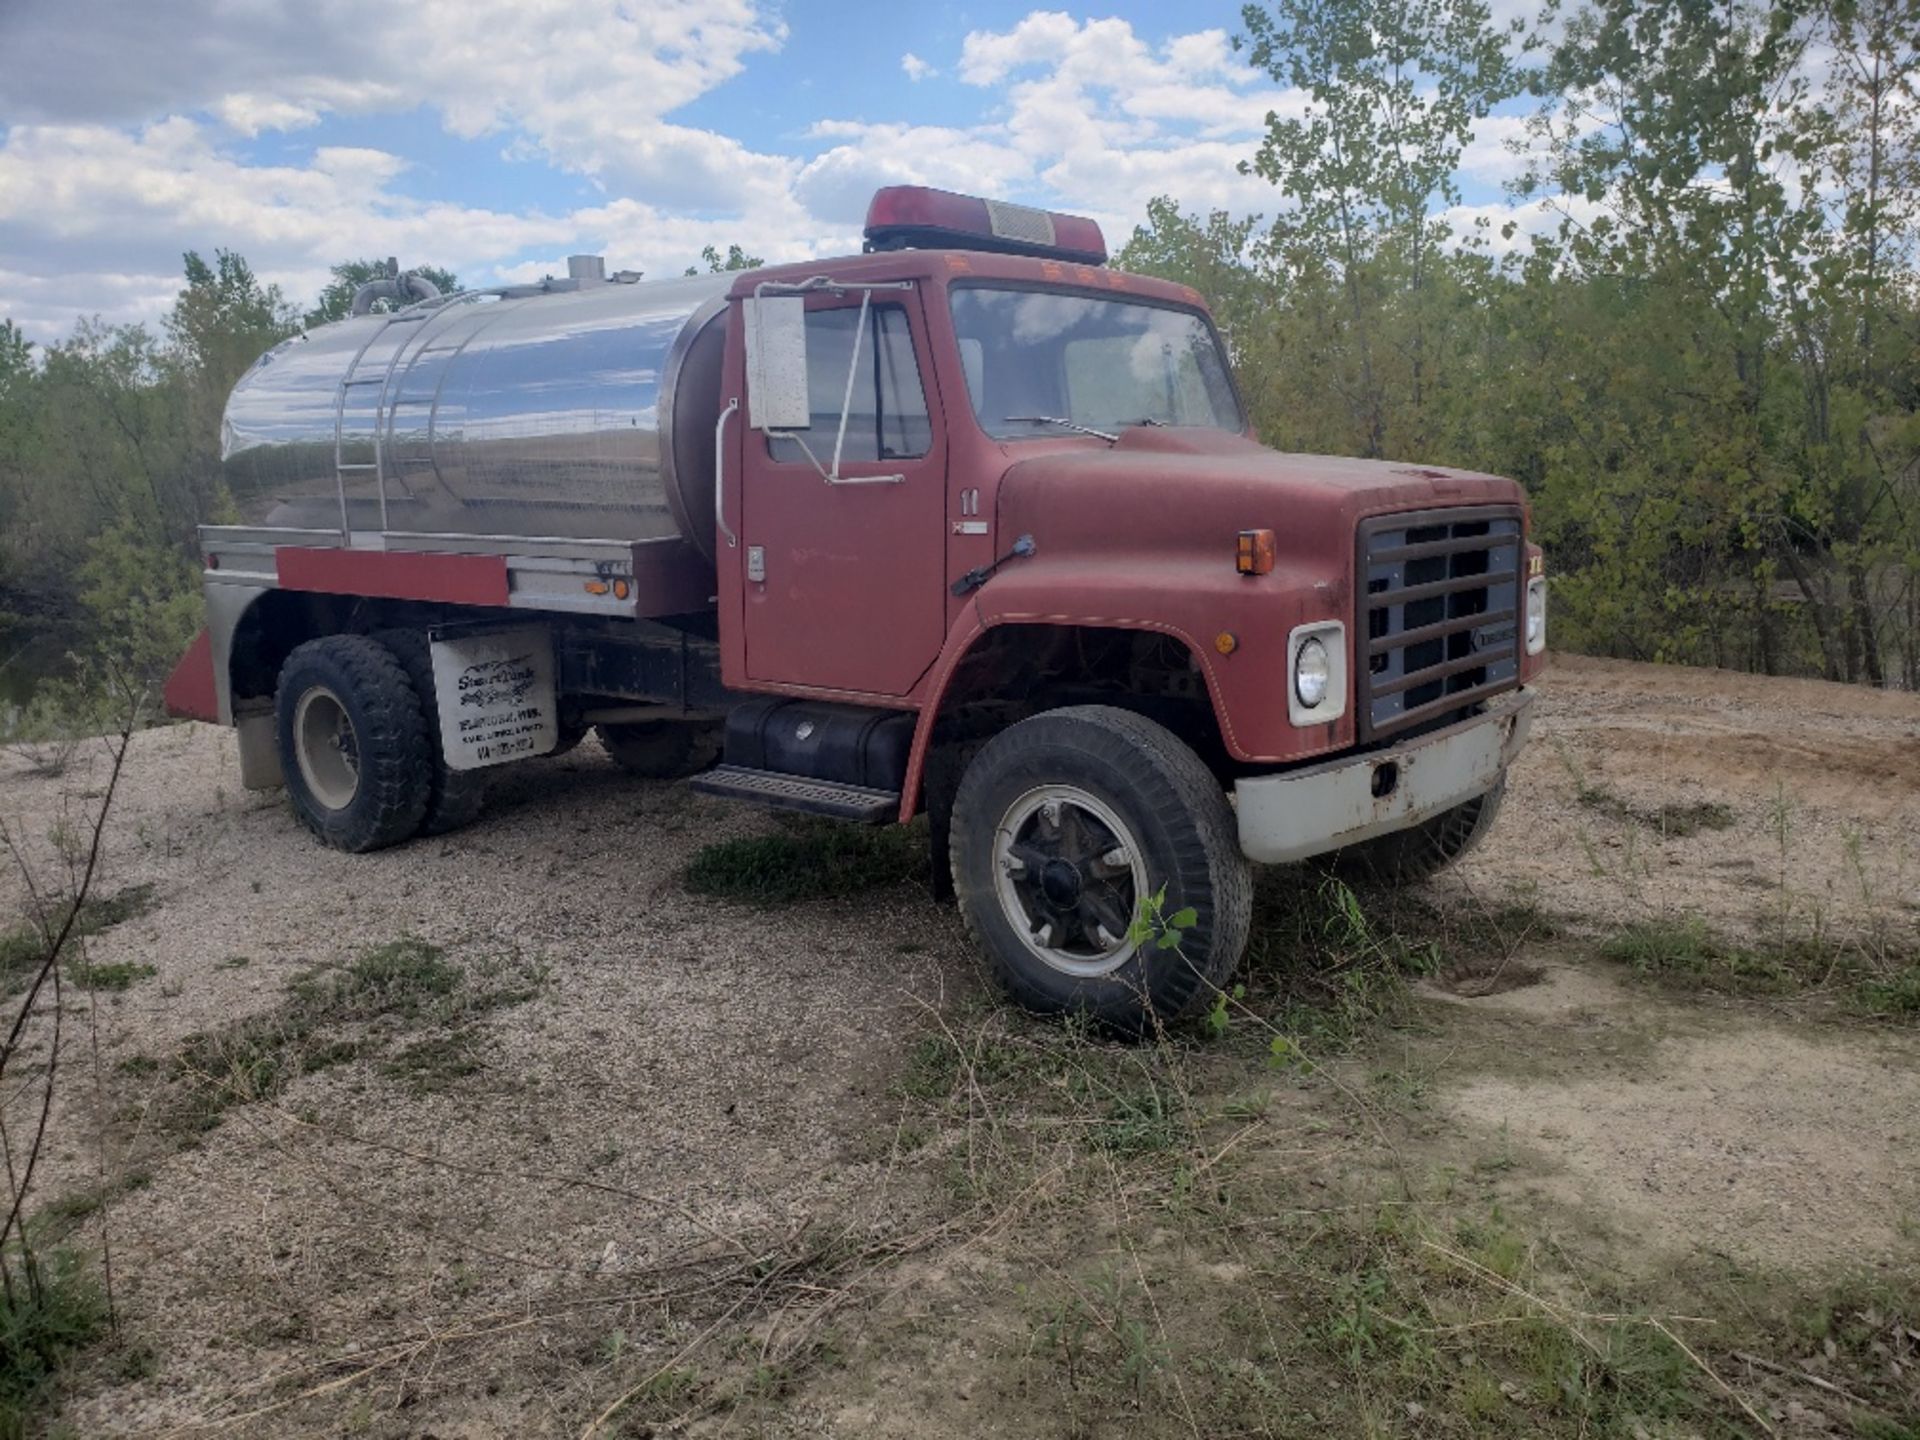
(1041, 362)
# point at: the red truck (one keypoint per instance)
(969, 524)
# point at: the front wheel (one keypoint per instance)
(1065, 825)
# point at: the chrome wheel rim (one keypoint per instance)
(327, 748)
(1069, 875)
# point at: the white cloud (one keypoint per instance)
(587, 83)
(1093, 118)
(1501, 149)
(93, 210)
(94, 219)
(1509, 228)
(133, 148)
(250, 114)
(837, 184)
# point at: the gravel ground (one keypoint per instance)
(692, 1071)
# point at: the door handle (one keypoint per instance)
(865, 479)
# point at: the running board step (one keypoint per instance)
(798, 792)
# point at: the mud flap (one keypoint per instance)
(496, 693)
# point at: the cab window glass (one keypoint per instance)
(887, 418)
(1032, 358)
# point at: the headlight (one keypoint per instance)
(1311, 673)
(1536, 616)
(1316, 673)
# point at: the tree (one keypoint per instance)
(735, 259)
(1687, 131)
(1394, 89)
(1210, 253)
(224, 319)
(336, 301)
(18, 422)
(1854, 297)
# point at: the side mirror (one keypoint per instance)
(777, 363)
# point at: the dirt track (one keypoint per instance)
(691, 1070)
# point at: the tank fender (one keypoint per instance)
(190, 693)
(227, 607)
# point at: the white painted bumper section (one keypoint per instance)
(1318, 808)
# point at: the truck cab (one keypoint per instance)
(971, 525)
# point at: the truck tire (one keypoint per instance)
(456, 797)
(353, 746)
(660, 749)
(1107, 807)
(1408, 856)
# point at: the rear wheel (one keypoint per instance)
(353, 746)
(661, 749)
(1408, 856)
(455, 797)
(1063, 827)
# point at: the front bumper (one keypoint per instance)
(1326, 807)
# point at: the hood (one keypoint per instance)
(1159, 486)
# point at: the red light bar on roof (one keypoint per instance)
(920, 217)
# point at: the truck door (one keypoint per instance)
(846, 581)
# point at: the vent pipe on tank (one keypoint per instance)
(401, 289)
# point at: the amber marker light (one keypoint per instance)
(1256, 553)
(1226, 642)
(597, 587)
(621, 589)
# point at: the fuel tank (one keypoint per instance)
(584, 413)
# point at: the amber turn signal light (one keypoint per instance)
(1256, 552)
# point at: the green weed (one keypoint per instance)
(117, 975)
(810, 860)
(1140, 1121)
(429, 1066)
(334, 1017)
(52, 1309)
(23, 948)
(1896, 997)
(1878, 975)
(1666, 945)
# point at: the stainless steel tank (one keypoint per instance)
(585, 413)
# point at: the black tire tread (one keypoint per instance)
(455, 797)
(659, 749)
(1407, 857)
(1170, 781)
(394, 754)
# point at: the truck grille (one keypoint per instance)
(1440, 614)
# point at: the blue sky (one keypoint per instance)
(497, 136)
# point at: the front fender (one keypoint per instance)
(1197, 600)
(1191, 600)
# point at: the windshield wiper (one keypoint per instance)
(1106, 435)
